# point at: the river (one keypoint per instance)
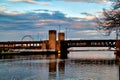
(86, 65)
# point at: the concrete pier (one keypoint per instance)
(117, 52)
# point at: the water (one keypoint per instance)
(91, 65)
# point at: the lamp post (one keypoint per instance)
(66, 32)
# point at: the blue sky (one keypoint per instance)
(35, 17)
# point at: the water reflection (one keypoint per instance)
(51, 67)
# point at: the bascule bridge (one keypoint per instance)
(59, 44)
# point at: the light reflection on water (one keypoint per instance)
(78, 66)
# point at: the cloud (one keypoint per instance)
(83, 0)
(49, 22)
(32, 20)
(83, 25)
(48, 2)
(3, 10)
(14, 13)
(88, 32)
(78, 0)
(91, 1)
(27, 1)
(87, 14)
(32, 23)
(4, 5)
(43, 3)
(90, 18)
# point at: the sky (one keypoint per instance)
(76, 18)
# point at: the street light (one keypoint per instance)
(66, 32)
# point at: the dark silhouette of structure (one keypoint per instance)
(61, 45)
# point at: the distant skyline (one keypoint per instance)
(35, 17)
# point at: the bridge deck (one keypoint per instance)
(21, 44)
(89, 43)
(64, 44)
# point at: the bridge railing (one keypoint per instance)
(21, 44)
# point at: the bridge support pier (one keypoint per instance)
(63, 49)
(61, 37)
(64, 55)
(117, 52)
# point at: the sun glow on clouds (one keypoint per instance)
(91, 1)
(90, 18)
(3, 9)
(32, 2)
(49, 21)
(88, 32)
(37, 16)
(29, 22)
(14, 13)
(85, 0)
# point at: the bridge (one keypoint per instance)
(61, 45)
(21, 45)
(87, 43)
(64, 44)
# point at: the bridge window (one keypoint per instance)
(28, 44)
(68, 44)
(114, 42)
(38, 44)
(24, 44)
(106, 43)
(31, 44)
(5, 45)
(17, 44)
(102, 43)
(77, 44)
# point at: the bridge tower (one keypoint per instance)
(52, 40)
(61, 37)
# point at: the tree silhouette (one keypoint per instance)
(116, 4)
(110, 20)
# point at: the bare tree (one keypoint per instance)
(110, 20)
(116, 4)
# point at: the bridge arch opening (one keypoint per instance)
(27, 37)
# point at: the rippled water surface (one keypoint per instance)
(79, 66)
